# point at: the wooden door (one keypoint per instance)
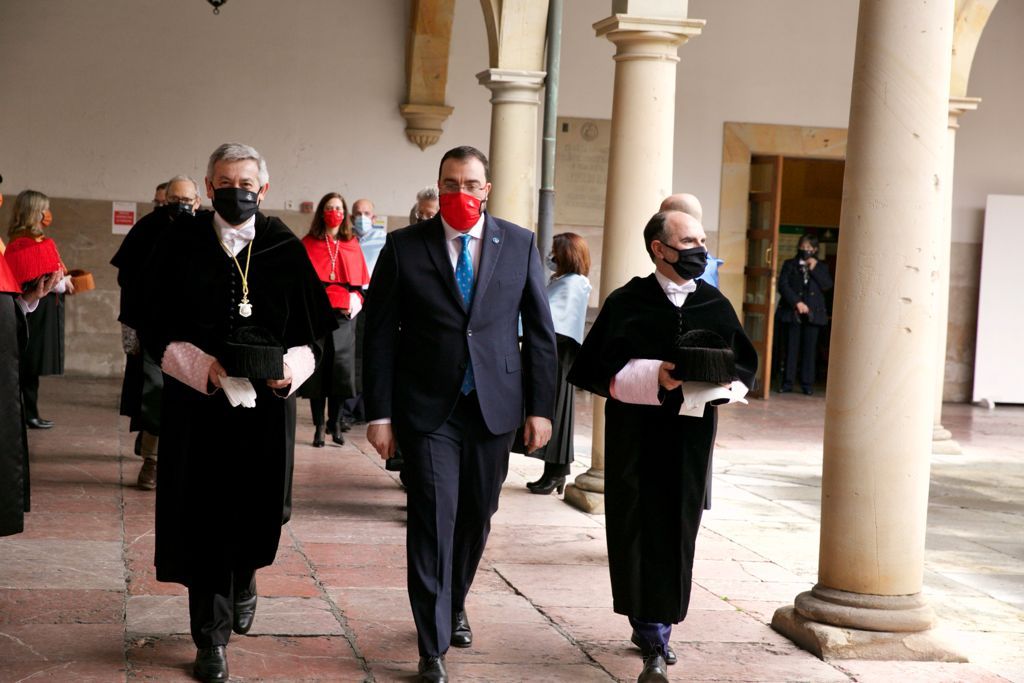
(762, 254)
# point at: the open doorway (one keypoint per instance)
(791, 200)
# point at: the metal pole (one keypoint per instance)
(546, 215)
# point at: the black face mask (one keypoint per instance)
(691, 262)
(178, 209)
(234, 204)
(807, 253)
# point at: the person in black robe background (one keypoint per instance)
(143, 382)
(657, 463)
(224, 481)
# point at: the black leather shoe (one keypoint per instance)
(645, 648)
(244, 613)
(808, 391)
(38, 423)
(211, 664)
(337, 435)
(432, 670)
(654, 669)
(785, 390)
(462, 634)
(344, 425)
(546, 485)
(318, 437)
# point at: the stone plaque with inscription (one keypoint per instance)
(581, 170)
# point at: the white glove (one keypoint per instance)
(355, 304)
(239, 391)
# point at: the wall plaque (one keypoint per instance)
(581, 170)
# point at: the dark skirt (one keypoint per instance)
(141, 391)
(559, 450)
(14, 491)
(44, 354)
(335, 374)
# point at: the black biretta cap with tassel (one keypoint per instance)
(703, 356)
(255, 353)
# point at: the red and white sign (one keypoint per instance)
(122, 217)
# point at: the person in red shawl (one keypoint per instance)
(31, 255)
(338, 260)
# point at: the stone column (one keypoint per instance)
(639, 168)
(515, 97)
(942, 439)
(867, 603)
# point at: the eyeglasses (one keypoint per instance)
(180, 200)
(472, 186)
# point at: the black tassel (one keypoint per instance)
(703, 356)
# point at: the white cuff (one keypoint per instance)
(62, 285)
(25, 306)
(637, 382)
(381, 421)
(355, 304)
(188, 364)
(302, 362)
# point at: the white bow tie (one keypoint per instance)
(673, 288)
(239, 237)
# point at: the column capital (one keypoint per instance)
(423, 122)
(513, 86)
(959, 105)
(663, 34)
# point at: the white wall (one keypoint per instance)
(104, 99)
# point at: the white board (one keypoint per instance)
(998, 370)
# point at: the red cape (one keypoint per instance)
(350, 267)
(8, 283)
(29, 258)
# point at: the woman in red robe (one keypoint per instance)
(32, 255)
(338, 260)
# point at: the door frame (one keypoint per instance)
(740, 142)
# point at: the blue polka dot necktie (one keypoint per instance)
(464, 279)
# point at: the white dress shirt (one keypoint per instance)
(455, 245)
(676, 293)
(235, 237)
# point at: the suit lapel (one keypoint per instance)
(492, 241)
(437, 248)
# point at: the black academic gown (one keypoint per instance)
(224, 481)
(14, 490)
(657, 462)
(140, 389)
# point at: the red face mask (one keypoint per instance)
(47, 219)
(460, 210)
(333, 218)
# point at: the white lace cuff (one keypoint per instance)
(637, 382)
(188, 364)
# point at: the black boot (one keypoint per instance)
(318, 438)
(546, 484)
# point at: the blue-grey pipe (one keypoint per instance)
(546, 205)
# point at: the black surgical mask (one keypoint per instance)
(807, 253)
(178, 209)
(690, 263)
(234, 204)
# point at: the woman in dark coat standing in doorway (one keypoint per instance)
(339, 264)
(568, 293)
(30, 254)
(802, 284)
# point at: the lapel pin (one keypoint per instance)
(495, 240)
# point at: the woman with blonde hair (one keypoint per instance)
(32, 255)
(338, 260)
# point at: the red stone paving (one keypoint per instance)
(79, 600)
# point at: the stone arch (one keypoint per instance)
(970, 19)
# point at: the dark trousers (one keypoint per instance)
(30, 394)
(211, 601)
(655, 634)
(316, 406)
(454, 476)
(802, 341)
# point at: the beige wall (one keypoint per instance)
(102, 100)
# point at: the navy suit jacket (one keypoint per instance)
(420, 337)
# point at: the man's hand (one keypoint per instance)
(281, 383)
(666, 380)
(811, 262)
(44, 285)
(802, 308)
(536, 432)
(382, 438)
(216, 372)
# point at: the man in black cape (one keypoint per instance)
(227, 293)
(657, 462)
(143, 382)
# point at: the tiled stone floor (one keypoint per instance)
(79, 602)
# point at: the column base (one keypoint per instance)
(947, 447)
(830, 642)
(588, 501)
(940, 433)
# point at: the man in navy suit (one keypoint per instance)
(446, 380)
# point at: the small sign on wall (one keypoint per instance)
(122, 217)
